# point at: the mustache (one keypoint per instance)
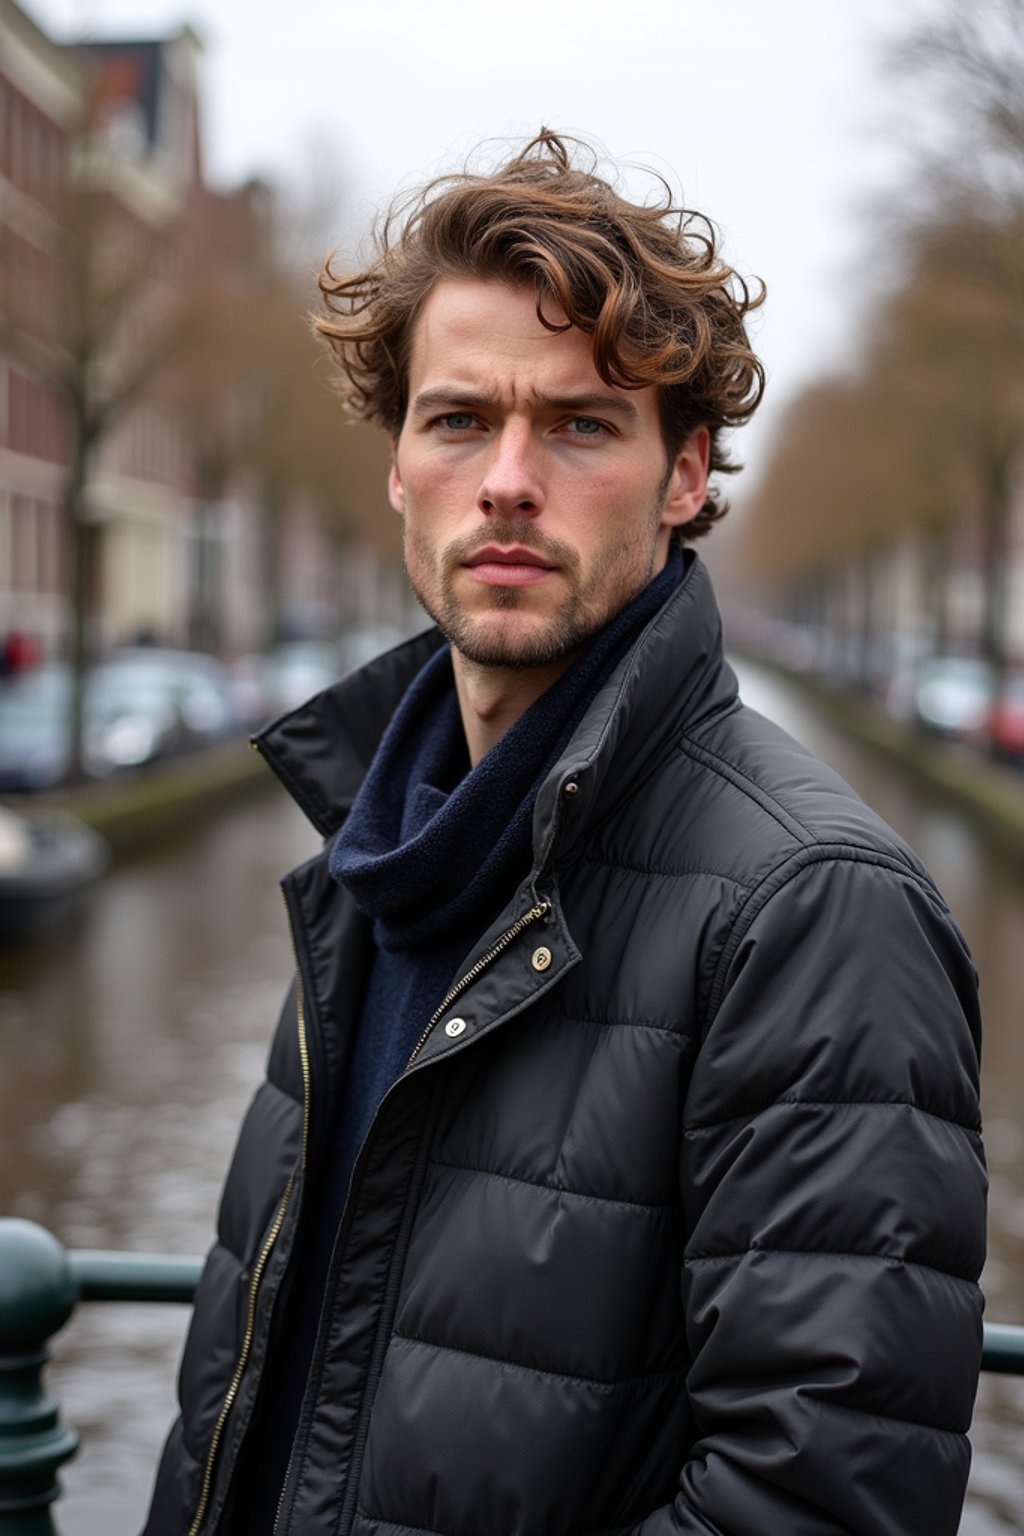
(514, 531)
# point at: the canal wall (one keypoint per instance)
(990, 795)
(137, 814)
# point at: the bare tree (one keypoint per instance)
(964, 67)
(89, 311)
(254, 395)
(928, 431)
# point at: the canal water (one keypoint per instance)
(132, 1045)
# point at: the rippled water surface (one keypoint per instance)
(132, 1046)
(132, 1049)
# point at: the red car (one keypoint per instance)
(1008, 717)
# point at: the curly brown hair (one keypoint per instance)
(645, 281)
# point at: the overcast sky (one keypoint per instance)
(769, 113)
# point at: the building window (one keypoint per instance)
(47, 548)
(23, 550)
(5, 542)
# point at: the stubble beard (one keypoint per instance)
(619, 574)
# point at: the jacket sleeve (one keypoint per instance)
(834, 1187)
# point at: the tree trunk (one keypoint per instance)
(273, 586)
(867, 638)
(78, 537)
(205, 620)
(995, 529)
(937, 586)
(995, 562)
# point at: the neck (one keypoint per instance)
(491, 699)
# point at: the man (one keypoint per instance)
(617, 1167)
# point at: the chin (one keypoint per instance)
(504, 628)
(515, 640)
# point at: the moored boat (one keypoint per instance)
(47, 863)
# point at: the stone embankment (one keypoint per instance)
(990, 794)
(140, 812)
(137, 813)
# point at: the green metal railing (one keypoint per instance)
(40, 1286)
(41, 1283)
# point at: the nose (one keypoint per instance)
(512, 484)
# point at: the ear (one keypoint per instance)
(688, 483)
(396, 495)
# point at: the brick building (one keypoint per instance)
(121, 119)
(40, 106)
(142, 155)
(170, 552)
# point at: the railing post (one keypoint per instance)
(37, 1296)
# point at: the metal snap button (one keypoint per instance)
(454, 1027)
(541, 959)
(570, 788)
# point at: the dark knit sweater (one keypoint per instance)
(431, 851)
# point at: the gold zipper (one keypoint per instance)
(257, 1274)
(243, 1358)
(300, 1014)
(460, 986)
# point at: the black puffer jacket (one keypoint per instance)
(674, 1221)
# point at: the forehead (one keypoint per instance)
(473, 319)
(479, 338)
(484, 335)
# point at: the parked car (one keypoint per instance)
(250, 692)
(953, 696)
(195, 686)
(360, 643)
(263, 687)
(139, 705)
(123, 727)
(297, 669)
(33, 736)
(1007, 725)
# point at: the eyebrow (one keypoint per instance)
(457, 396)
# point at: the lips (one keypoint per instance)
(516, 555)
(515, 566)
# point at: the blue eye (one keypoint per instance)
(586, 426)
(457, 421)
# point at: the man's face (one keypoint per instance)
(537, 499)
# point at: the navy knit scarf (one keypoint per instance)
(429, 844)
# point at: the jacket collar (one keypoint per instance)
(671, 679)
(321, 751)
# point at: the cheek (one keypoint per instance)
(613, 493)
(615, 514)
(433, 486)
(436, 498)
(419, 547)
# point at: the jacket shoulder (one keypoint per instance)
(760, 798)
(736, 797)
